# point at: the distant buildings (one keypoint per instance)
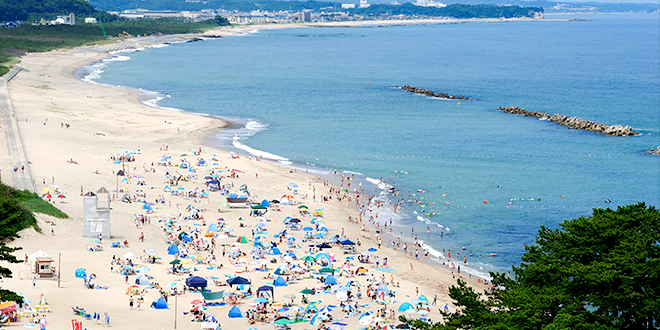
(68, 19)
(364, 4)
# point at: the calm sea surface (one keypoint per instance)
(326, 97)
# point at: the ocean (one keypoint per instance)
(326, 98)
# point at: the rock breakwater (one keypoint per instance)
(431, 93)
(573, 122)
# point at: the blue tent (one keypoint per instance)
(142, 280)
(405, 306)
(265, 203)
(196, 282)
(80, 273)
(213, 227)
(173, 249)
(235, 312)
(159, 303)
(330, 280)
(274, 252)
(279, 281)
(347, 242)
(238, 280)
(281, 270)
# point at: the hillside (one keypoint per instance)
(33, 10)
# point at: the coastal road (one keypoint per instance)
(14, 154)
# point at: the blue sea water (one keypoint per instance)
(326, 97)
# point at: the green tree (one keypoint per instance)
(598, 272)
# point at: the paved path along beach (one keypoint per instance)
(15, 152)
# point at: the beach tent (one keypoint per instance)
(361, 271)
(159, 303)
(213, 295)
(274, 252)
(281, 270)
(265, 288)
(80, 273)
(235, 312)
(330, 280)
(279, 281)
(196, 282)
(347, 242)
(242, 240)
(142, 280)
(405, 306)
(311, 307)
(237, 280)
(173, 249)
(265, 203)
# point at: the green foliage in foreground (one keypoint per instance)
(598, 272)
(29, 38)
(14, 214)
(37, 204)
(5, 255)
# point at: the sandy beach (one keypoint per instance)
(71, 129)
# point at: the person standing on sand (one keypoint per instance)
(435, 299)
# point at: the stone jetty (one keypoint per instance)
(431, 93)
(573, 122)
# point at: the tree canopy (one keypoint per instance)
(597, 272)
(23, 10)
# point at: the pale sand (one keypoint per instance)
(107, 120)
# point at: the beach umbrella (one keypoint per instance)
(324, 246)
(326, 270)
(317, 317)
(175, 262)
(308, 229)
(261, 300)
(129, 255)
(290, 296)
(365, 318)
(372, 249)
(283, 321)
(308, 258)
(302, 207)
(196, 302)
(172, 284)
(151, 252)
(306, 291)
(260, 225)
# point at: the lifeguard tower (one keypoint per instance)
(96, 213)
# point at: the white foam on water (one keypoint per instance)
(429, 222)
(96, 69)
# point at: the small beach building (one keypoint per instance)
(41, 264)
(96, 213)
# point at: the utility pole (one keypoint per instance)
(176, 297)
(59, 269)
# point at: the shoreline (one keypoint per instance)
(324, 174)
(109, 119)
